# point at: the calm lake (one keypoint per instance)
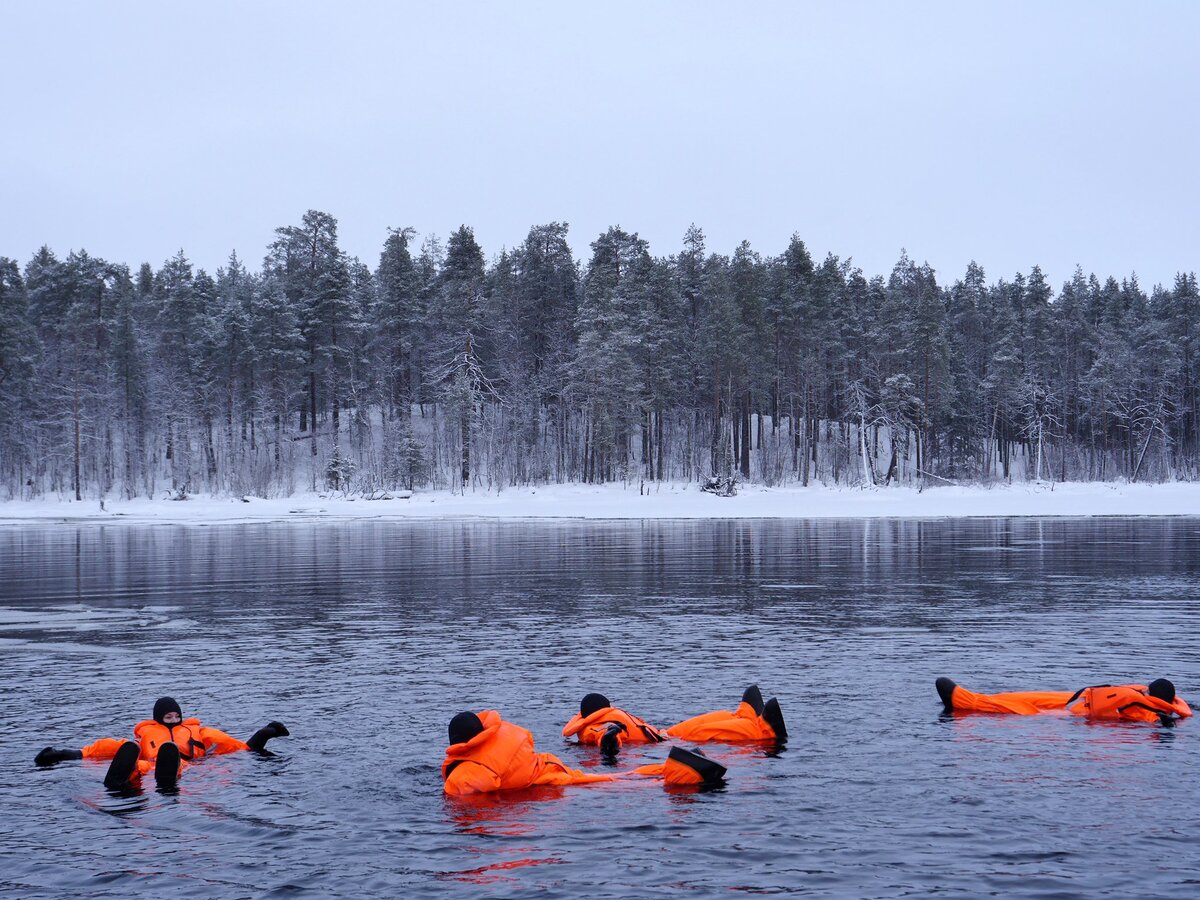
(366, 638)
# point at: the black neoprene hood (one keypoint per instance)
(164, 705)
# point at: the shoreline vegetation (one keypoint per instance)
(442, 369)
(633, 502)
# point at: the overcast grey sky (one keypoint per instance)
(1012, 133)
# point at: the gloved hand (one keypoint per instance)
(610, 741)
(49, 756)
(271, 730)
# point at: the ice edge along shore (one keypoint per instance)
(652, 501)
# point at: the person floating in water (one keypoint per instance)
(488, 754)
(753, 720)
(599, 723)
(1155, 702)
(164, 744)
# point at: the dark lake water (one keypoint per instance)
(366, 638)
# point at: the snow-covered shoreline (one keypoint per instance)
(666, 501)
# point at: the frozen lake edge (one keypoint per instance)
(652, 501)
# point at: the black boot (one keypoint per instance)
(753, 696)
(49, 756)
(166, 765)
(711, 773)
(773, 716)
(945, 689)
(258, 740)
(123, 765)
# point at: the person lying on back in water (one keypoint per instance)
(1155, 702)
(753, 720)
(165, 744)
(599, 723)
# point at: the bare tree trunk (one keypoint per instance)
(745, 459)
(76, 443)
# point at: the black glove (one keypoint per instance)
(610, 741)
(271, 730)
(49, 756)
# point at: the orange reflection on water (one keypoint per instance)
(503, 813)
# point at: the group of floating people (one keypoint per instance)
(487, 753)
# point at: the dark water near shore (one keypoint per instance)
(366, 638)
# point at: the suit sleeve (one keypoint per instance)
(217, 741)
(105, 748)
(471, 778)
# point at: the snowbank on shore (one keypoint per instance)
(665, 501)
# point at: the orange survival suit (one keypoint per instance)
(1137, 702)
(597, 718)
(496, 756)
(193, 739)
(753, 720)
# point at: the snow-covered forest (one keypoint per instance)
(439, 368)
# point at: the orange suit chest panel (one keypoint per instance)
(186, 735)
(1127, 701)
(591, 728)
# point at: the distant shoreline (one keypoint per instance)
(657, 501)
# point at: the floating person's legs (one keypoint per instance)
(685, 767)
(773, 716)
(166, 765)
(956, 698)
(123, 766)
(749, 722)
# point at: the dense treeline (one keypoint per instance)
(440, 368)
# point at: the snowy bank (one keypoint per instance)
(665, 501)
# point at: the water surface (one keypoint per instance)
(366, 638)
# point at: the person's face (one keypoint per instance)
(172, 718)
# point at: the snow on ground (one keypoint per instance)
(666, 501)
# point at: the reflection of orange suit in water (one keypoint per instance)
(1134, 702)
(193, 740)
(501, 757)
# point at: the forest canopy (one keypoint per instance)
(439, 367)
